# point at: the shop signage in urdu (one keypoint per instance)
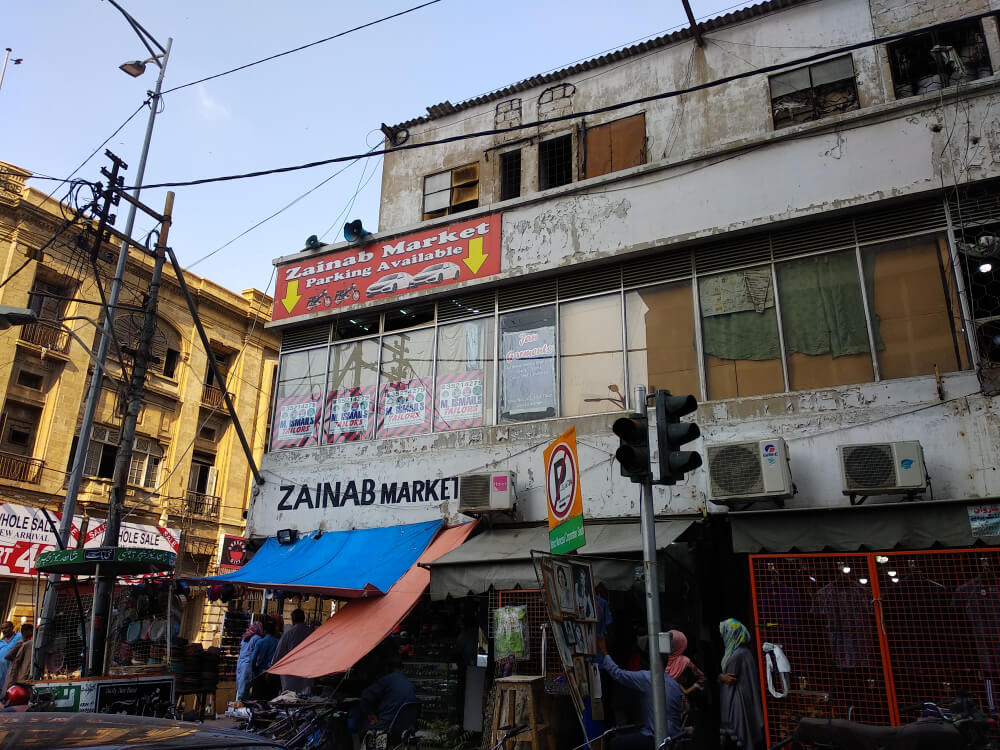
(563, 495)
(328, 282)
(984, 520)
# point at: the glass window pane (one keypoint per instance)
(592, 370)
(301, 380)
(823, 319)
(435, 183)
(405, 390)
(740, 332)
(910, 308)
(528, 365)
(790, 82)
(464, 394)
(832, 70)
(350, 397)
(661, 343)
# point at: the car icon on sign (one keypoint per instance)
(436, 273)
(390, 284)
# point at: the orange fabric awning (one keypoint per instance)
(341, 642)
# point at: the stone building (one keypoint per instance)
(189, 480)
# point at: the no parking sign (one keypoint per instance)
(562, 491)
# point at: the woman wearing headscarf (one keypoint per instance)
(742, 721)
(244, 662)
(680, 667)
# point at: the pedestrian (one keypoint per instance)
(8, 640)
(244, 668)
(19, 659)
(289, 640)
(262, 687)
(742, 720)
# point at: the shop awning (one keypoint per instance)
(340, 642)
(884, 526)
(345, 564)
(501, 558)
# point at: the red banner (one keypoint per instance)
(433, 258)
(458, 403)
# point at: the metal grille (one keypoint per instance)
(537, 617)
(822, 235)
(917, 217)
(300, 338)
(590, 281)
(666, 265)
(733, 254)
(869, 635)
(735, 470)
(466, 306)
(520, 295)
(868, 466)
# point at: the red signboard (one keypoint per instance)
(423, 260)
(234, 553)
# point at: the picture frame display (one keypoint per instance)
(551, 596)
(564, 589)
(585, 603)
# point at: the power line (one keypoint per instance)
(572, 116)
(304, 46)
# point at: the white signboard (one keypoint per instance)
(24, 534)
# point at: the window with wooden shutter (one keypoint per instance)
(616, 145)
(451, 191)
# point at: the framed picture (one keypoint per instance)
(583, 592)
(564, 588)
(551, 597)
(580, 645)
(589, 638)
(582, 675)
(565, 656)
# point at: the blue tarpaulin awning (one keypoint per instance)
(346, 564)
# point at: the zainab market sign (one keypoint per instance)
(423, 260)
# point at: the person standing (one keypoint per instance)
(289, 640)
(244, 668)
(8, 640)
(642, 682)
(19, 658)
(260, 659)
(742, 720)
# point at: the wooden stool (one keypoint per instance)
(519, 701)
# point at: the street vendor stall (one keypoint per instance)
(135, 661)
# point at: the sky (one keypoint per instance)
(68, 96)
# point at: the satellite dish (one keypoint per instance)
(353, 231)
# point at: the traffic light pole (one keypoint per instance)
(648, 525)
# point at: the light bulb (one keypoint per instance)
(985, 267)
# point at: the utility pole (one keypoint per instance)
(104, 588)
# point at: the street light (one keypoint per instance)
(159, 54)
(15, 316)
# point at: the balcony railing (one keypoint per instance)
(45, 335)
(20, 468)
(200, 504)
(212, 396)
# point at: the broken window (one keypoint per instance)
(510, 175)
(451, 191)
(555, 162)
(945, 56)
(615, 145)
(813, 92)
(145, 464)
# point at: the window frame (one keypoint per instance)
(811, 91)
(456, 183)
(895, 52)
(551, 142)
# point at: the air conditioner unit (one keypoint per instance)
(895, 468)
(749, 472)
(489, 491)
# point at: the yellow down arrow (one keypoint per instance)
(476, 255)
(292, 296)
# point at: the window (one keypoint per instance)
(49, 299)
(350, 398)
(740, 334)
(510, 174)
(463, 394)
(101, 454)
(145, 465)
(528, 365)
(405, 387)
(451, 191)
(813, 92)
(911, 308)
(299, 399)
(946, 56)
(823, 321)
(661, 347)
(555, 162)
(591, 366)
(616, 145)
(18, 427)
(224, 362)
(33, 380)
(170, 360)
(203, 474)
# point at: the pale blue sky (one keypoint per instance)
(68, 95)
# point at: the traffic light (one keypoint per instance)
(671, 434)
(633, 448)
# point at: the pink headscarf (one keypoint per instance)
(677, 662)
(255, 629)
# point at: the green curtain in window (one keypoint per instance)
(742, 335)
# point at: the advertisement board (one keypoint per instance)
(562, 492)
(24, 534)
(439, 257)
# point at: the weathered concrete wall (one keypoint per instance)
(895, 16)
(959, 436)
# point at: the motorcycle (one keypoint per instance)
(963, 727)
(352, 291)
(323, 298)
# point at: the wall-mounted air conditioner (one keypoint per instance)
(746, 472)
(895, 468)
(489, 491)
